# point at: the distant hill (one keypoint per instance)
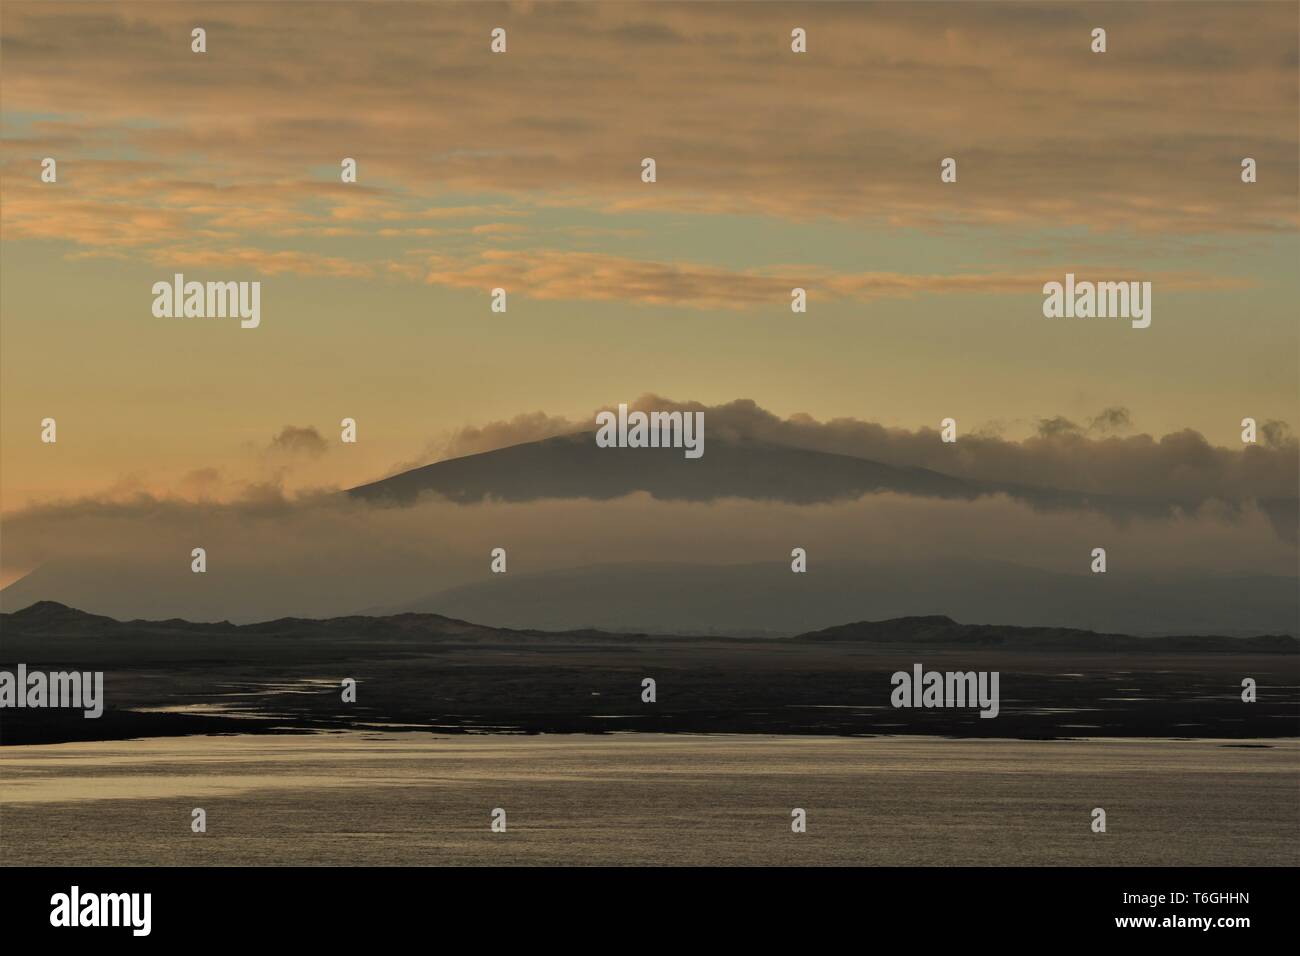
(55, 621)
(939, 631)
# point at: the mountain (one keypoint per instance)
(573, 466)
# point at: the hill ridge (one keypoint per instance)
(931, 630)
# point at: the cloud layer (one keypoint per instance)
(313, 555)
(232, 156)
(1181, 467)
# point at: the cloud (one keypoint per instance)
(474, 439)
(1179, 467)
(264, 261)
(1061, 465)
(272, 554)
(295, 441)
(1111, 420)
(157, 143)
(1049, 427)
(1276, 435)
(556, 274)
(201, 483)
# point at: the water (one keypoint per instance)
(414, 799)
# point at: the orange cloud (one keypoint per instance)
(555, 274)
(265, 261)
(1147, 137)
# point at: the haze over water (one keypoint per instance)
(408, 799)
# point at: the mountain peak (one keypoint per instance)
(53, 612)
(46, 609)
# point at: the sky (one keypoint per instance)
(522, 170)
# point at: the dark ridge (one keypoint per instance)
(944, 631)
(52, 619)
(47, 610)
(52, 614)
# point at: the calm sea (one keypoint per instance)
(415, 799)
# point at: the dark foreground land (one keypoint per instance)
(426, 672)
